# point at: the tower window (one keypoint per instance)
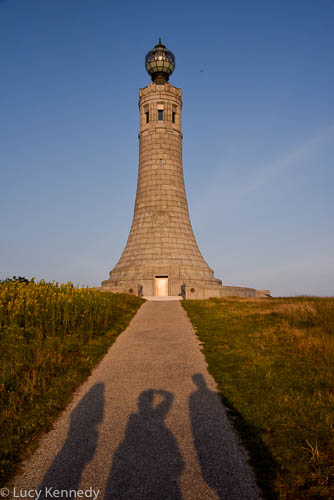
(147, 114)
(173, 114)
(160, 114)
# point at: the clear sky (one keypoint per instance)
(258, 121)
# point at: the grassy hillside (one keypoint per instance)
(273, 361)
(50, 338)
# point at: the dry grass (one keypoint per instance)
(273, 360)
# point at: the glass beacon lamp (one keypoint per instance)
(160, 63)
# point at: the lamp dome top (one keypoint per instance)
(160, 63)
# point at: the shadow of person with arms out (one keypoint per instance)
(223, 463)
(147, 464)
(80, 445)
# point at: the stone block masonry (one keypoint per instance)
(161, 239)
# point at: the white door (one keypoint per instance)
(161, 287)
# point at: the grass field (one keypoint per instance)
(273, 361)
(50, 338)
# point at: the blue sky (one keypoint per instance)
(258, 123)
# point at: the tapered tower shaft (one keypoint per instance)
(161, 243)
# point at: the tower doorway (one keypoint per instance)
(161, 286)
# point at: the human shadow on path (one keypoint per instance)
(224, 468)
(147, 464)
(80, 445)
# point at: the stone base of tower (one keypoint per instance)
(188, 289)
(200, 291)
(175, 287)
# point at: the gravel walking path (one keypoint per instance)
(147, 424)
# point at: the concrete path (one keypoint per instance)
(163, 298)
(147, 424)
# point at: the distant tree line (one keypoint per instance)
(20, 279)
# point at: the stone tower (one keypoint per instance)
(161, 256)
